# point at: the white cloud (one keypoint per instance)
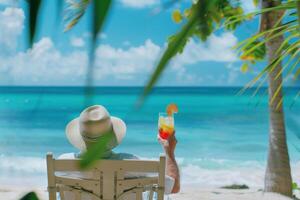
(11, 26)
(139, 3)
(77, 42)
(217, 48)
(184, 77)
(44, 65)
(121, 63)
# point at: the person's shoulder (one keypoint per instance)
(67, 156)
(123, 156)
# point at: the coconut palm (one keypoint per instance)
(278, 172)
(272, 30)
(270, 41)
(271, 37)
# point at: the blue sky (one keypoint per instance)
(130, 45)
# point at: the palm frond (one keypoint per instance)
(204, 17)
(34, 6)
(173, 48)
(287, 64)
(287, 52)
(30, 196)
(96, 151)
(101, 10)
(74, 11)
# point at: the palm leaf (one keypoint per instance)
(268, 68)
(171, 50)
(96, 151)
(285, 44)
(293, 66)
(75, 10)
(30, 196)
(236, 18)
(287, 64)
(101, 9)
(245, 43)
(286, 50)
(259, 86)
(277, 92)
(100, 12)
(34, 6)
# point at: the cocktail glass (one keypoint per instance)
(165, 125)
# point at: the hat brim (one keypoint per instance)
(75, 138)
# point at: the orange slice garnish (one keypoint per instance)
(172, 108)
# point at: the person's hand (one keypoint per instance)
(169, 145)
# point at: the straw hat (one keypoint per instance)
(93, 123)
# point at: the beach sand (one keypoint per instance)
(9, 193)
(225, 194)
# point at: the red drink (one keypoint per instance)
(165, 126)
(163, 134)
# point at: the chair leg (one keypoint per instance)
(139, 194)
(52, 194)
(61, 194)
(160, 194)
(77, 195)
(151, 195)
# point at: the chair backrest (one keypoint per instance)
(108, 179)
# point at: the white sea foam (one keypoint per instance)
(20, 164)
(22, 171)
(195, 175)
(32, 171)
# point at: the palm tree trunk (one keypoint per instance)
(278, 173)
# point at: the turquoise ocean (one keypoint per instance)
(222, 136)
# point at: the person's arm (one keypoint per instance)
(171, 164)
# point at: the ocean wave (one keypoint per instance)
(22, 164)
(26, 170)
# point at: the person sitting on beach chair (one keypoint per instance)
(93, 123)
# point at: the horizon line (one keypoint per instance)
(129, 86)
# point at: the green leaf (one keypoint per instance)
(173, 48)
(101, 9)
(245, 67)
(177, 16)
(295, 186)
(34, 6)
(30, 196)
(255, 2)
(75, 10)
(96, 150)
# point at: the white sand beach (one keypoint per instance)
(225, 194)
(10, 193)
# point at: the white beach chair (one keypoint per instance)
(108, 182)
